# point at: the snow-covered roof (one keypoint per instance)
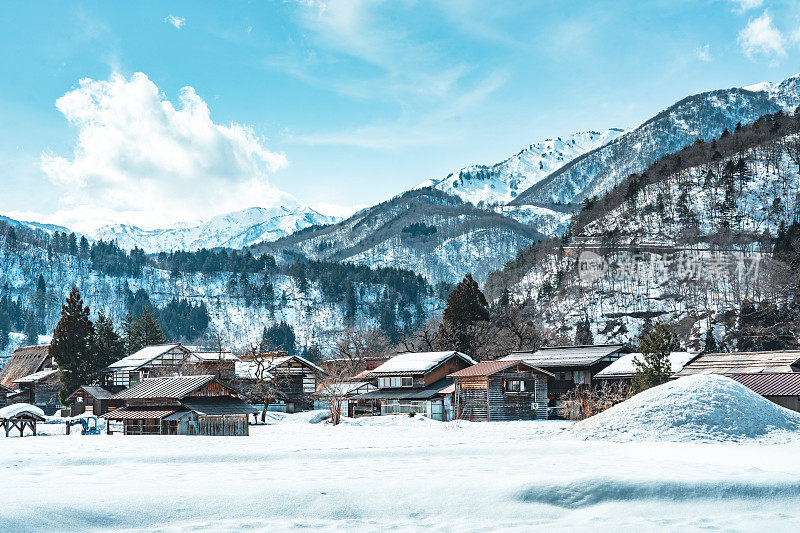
(212, 356)
(418, 362)
(36, 376)
(143, 356)
(569, 355)
(248, 369)
(344, 388)
(623, 367)
(18, 409)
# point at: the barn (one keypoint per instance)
(180, 405)
(500, 390)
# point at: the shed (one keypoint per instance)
(40, 389)
(782, 388)
(93, 399)
(501, 390)
(20, 416)
(623, 368)
(181, 405)
(4, 392)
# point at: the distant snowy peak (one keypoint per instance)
(785, 94)
(230, 230)
(502, 182)
(47, 228)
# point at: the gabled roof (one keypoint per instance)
(770, 383)
(743, 362)
(25, 361)
(557, 356)
(144, 356)
(624, 368)
(21, 410)
(95, 391)
(417, 362)
(173, 388)
(248, 369)
(36, 376)
(487, 368)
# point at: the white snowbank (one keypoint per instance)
(16, 408)
(307, 417)
(707, 408)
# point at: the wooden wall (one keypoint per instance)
(482, 399)
(223, 425)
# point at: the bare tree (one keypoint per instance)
(337, 386)
(356, 344)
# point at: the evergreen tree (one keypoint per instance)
(147, 329)
(72, 347)
(109, 346)
(583, 333)
(130, 337)
(278, 337)
(710, 345)
(31, 331)
(313, 354)
(466, 311)
(655, 345)
(5, 329)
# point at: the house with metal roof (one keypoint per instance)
(622, 369)
(180, 405)
(571, 365)
(743, 363)
(417, 382)
(782, 388)
(500, 390)
(349, 393)
(290, 381)
(39, 389)
(93, 399)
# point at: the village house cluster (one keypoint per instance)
(172, 389)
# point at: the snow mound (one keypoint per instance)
(307, 417)
(694, 408)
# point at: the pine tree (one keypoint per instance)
(466, 311)
(147, 328)
(130, 337)
(109, 346)
(583, 333)
(72, 347)
(278, 337)
(656, 345)
(5, 329)
(31, 331)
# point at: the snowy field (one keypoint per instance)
(394, 473)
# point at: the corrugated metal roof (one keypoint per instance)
(770, 383)
(487, 368)
(131, 413)
(143, 356)
(36, 376)
(417, 362)
(165, 387)
(219, 405)
(408, 393)
(98, 392)
(743, 362)
(569, 355)
(624, 368)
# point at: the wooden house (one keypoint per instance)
(293, 378)
(782, 388)
(39, 389)
(622, 370)
(180, 405)
(156, 360)
(500, 390)
(571, 366)
(417, 383)
(742, 363)
(4, 392)
(350, 393)
(24, 362)
(93, 399)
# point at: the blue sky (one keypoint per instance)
(338, 104)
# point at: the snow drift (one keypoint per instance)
(694, 408)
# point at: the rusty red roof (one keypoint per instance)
(487, 368)
(770, 383)
(136, 413)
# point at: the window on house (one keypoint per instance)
(515, 385)
(395, 382)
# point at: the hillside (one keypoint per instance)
(425, 230)
(689, 240)
(703, 116)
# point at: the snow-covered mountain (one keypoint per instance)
(230, 230)
(502, 182)
(702, 116)
(47, 228)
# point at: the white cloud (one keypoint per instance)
(139, 159)
(761, 38)
(704, 53)
(178, 22)
(746, 5)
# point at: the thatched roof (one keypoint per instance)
(25, 361)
